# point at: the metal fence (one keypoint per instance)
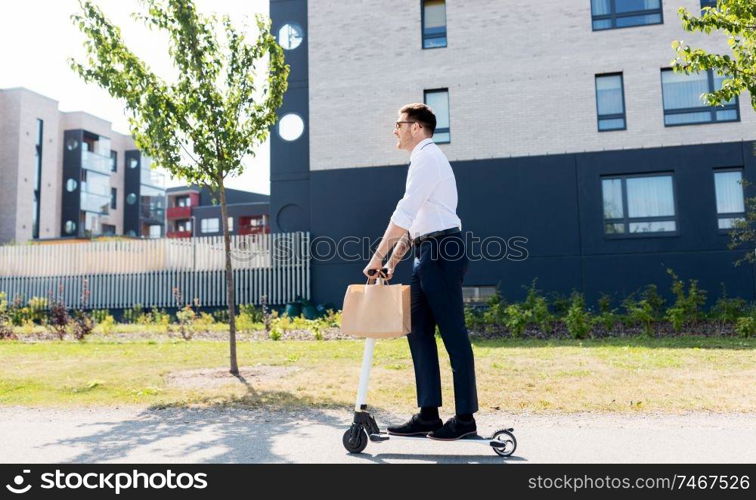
(123, 273)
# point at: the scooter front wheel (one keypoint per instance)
(508, 443)
(355, 439)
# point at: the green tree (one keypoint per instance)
(737, 20)
(220, 107)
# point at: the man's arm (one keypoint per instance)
(391, 237)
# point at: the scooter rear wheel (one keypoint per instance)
(507, 438)
(355, 443)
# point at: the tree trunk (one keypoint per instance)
(230, 295)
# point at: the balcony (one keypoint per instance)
(95, 162)
(152, 177)
(178, 234)
(93, 202)
(179, 212)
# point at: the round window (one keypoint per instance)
(71, 185)
(70, 227)
(290, 36)
(131, 199)
(290, 127)
(133, 163)
(72, 144)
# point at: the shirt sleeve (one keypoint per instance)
(422, 178)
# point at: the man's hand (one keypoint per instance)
(376, 263)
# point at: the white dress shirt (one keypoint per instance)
(430, 196)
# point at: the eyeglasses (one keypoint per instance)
(399, 124)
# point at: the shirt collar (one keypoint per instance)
(420, 145)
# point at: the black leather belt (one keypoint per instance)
(435, 234)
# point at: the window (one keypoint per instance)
(610, 102)
(113, 198)
(183, 201)
(230, 224)
(108, 230)
(682, 99)
(638, 204)
(728, 185)
(210, 225)
(708, 3)
(37, 179)
(609, 14)
(477, 293)
(114, 161)
(184, 225)
(438, 100)
(156, 231)
(434, 24)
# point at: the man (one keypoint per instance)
(426, 217)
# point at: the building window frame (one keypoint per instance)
(729, 215)
(613, 15)
(113, 161)
(39, 140)
(113, 198)
(207, 228)
(626, 220)
(427, 35)
(712, 110)
(613, 116)
(441, 130)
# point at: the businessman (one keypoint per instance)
(426, 220)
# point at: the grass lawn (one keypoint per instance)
(614, 375)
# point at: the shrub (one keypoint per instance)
(728, 309)
(688, 305)
(83, 324)
(539, 309)
(516, 319)
(105, 323)
(654, 301)
(6, 328)
(640, 313)
(37, 309)
(275, 334)
(578, 320)
(185, 317)
(57, 314)
(745, 326)
(133, 314)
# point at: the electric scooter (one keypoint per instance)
(364, 427)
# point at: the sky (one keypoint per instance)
(37, 37)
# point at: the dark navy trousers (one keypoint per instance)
(439, 267)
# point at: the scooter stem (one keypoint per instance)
(367, 363)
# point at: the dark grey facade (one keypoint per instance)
(551, 205)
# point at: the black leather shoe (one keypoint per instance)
(415, 427)
(454, 429)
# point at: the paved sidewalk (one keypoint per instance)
(254, 436)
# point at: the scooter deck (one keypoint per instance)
(476, 438)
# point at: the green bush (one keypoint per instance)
(516, 319)
(688, 306)
(253, 314)
(275, 334)
(639, 313)
(133, 314)
(539, 309)
(745, 326)
(578, 319)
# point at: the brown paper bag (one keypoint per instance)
(377, 311)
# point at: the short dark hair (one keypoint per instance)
(421, 113)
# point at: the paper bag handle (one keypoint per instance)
(384, 271)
